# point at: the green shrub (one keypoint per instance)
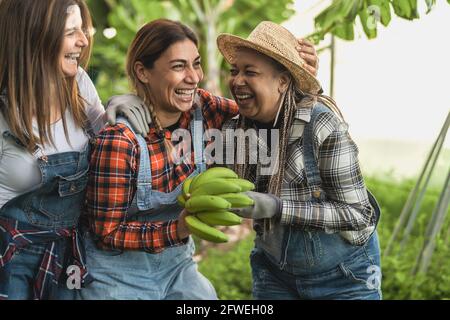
(231, 275)
(229, 271)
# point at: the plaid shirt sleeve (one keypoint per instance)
(217, 110)
(111, 188)
(347, 207)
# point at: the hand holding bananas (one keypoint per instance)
(131, 107)
(209, 196)
(265, 206)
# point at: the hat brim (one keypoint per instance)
(228, 45)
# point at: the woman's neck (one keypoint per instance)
(167, 118)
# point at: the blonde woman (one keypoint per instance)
(49, 112)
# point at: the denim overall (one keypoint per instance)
(290, 263)
(169, 275)
(52, 206)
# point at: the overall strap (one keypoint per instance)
(309, 153)
(311, 165)
(197, 136)
(144, 179)
(5, 131)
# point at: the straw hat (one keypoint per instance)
(276, 42)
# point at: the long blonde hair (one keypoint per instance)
(31, 76)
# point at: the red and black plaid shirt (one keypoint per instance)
(113, 176)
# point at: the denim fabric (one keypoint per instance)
(138, 275)
(354, 275)
(55, 204)
(169, 275)
(291, 263)
(24, 267)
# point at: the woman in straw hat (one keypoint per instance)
(314, 218)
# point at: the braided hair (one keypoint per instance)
(293, 99)
(150, 42)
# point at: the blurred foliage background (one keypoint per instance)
(208, 18)
(230, 271)
(117, 21)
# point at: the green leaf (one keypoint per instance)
(369, 22)
(430, 4)
(356, 6)
(344, 31)
(402, 8)
(338, 18)
(381, 8)
(329, 16)
(414, 10)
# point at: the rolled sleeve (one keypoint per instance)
(111, 188)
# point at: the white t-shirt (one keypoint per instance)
(19, 171)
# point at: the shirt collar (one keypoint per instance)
(303, 114)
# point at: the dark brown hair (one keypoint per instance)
(151, 41)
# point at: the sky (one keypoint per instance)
(396, 86)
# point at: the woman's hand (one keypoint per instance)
(131, 107)
(308, 53)
(266, 206)
(183, 231)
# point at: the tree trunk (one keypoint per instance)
(212, 83)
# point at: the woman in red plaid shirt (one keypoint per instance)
(137, 243)
(137, 246)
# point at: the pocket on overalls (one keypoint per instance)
(69, 186)
(362, 269)
(61, 206)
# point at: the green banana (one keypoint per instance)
(206, 203)
(216, 186)
(244, 184)
(181, 200)
(219, 218)
(203, 231)
(237, 200)
(186, 187)
(213, 173)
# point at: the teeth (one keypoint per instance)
(73, 56)
(243, 97)
(185, 92)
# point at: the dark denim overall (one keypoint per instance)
(290, 263)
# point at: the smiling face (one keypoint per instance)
(174, 78)
(74, 41)
(257, 85)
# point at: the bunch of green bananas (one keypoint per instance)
(209, 196)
